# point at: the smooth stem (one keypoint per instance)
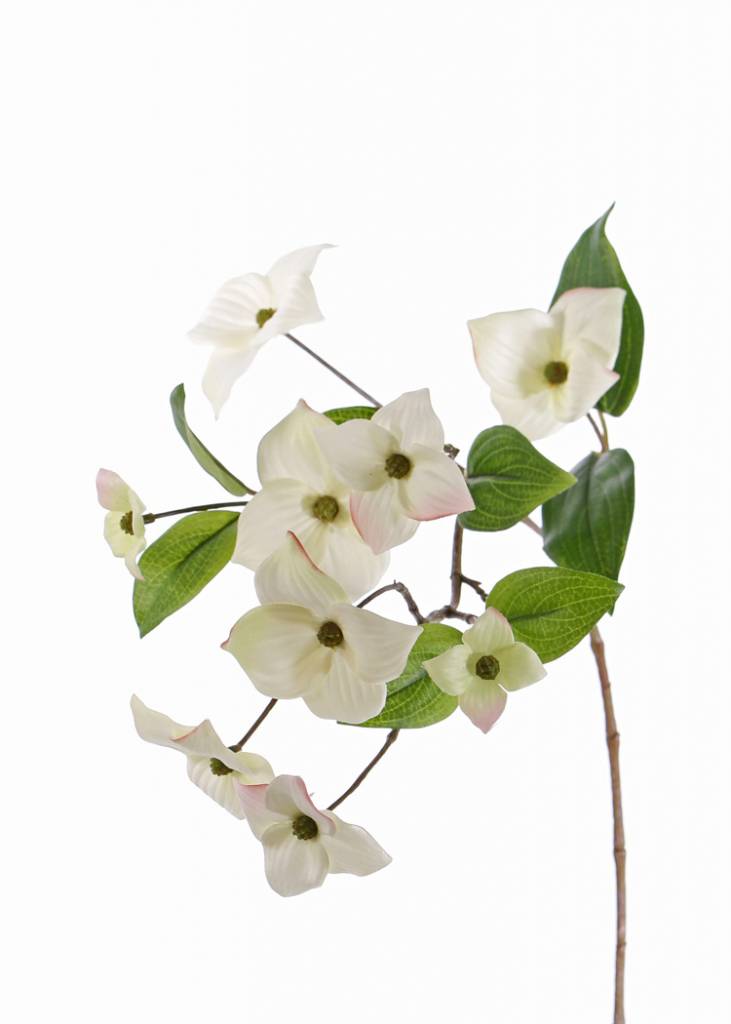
(332, 369)
(150, 517)
(401, 589)
(247, 735)
(390, 740)
(456, 573)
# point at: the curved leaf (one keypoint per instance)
(350, 412)
(201, 454)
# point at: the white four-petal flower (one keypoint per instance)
(301, 493)
(484, 666)
(249, 310)
(307, 641)
(396, 465)
(549, 369)
(302, 844)
(124, 527)
(212, 766)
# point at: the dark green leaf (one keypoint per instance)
(414, 701)
(508, 478)
(351, 412)
(587, 527)
(551, 610)
(593, 263)
(204, 458)
(180, 563)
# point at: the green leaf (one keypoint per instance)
(180, 563)
(414, 701)
(508, 478)
(201, 454)
(351, 412)
(593, 263)
(550, 609)
(587, 527)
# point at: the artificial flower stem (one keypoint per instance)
(331, 368)
(533, 526)
(247, 735)
(605, 428)
(620, 853)
(456, 573)
(150, 517)
(400, 588)
(390, 740)
(476, 586)
(448, 612)
(602, 435)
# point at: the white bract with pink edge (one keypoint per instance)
(549, 369)
(301, 493)
(397, 468)
(249, 310)
(480, 670)
(124, 526)
(212, 766)
(307, 640)
(302, 844)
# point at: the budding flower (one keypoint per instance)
(124, 526)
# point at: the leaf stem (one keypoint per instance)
(605, 428)
(390, 740)
(400, 588)
(532, 526)
(247, 735)
(150, 517)
(332, 369)
(601, 434)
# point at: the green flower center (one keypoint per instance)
(398, 466)
(126, 523)
(325, 508)
(330, 634)
(219, 768)
(555, 372)
(263, 315)
(304, 827)
(488, 667)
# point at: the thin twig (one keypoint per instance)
(596, 429)
(390, 740)
(476, 586)
(400, 588)
(605, 428)
(247, 735)
(456, 573)
(620, 853)
(533, 526)
(150, 517)
(332, 369)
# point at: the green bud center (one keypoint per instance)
(325, 508)
(219, 768)
(398, 466)
(330, 634)
(556, 372)
(126, 523)
(263, 315)
(487, 667)
(304, 827)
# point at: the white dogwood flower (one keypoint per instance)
(396, 465)
(300, 493)
(484, 666)
(307, 641)
(249, 310)
(549, 369)
(212, 766)
(124, 526)
(302, 844)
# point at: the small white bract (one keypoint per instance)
(549, 369)
(212, 766)
(302, 844)
(300, 493)
(124, 527)
(307, 641)
(488, 662)
(398, 470)
(249, 310)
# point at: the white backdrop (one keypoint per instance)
(454, 152)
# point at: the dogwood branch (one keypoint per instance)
(247, 735)
(400, 588)
(150, 517)
(332, 369)
(390, 740)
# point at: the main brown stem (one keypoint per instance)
(390, 740)
(332, 369)
(620, 853)
(150, 517)
(247, 735)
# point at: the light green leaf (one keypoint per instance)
(550, 609)
(587, 527)
(508, 478)
(414, 701)
(593, 263)
(201, 454)
(351, 412)
(180, 563)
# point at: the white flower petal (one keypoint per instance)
(512, 350)
(301, 261)
(230, 319)
(450, 671)
(534, 416)
(340, 551)
(225, 366)
(113, 493)
(412, 420)
(357, 451)
(435, 487)
(280, 506)
(352, 850)
(380, 519)
(519, 666)
(592, 317)
(259, 816)
(221, 788)
(290, 450)
(297, 305)
(289, 575)
(587, 381)
(293, 865)
(491, 632)
(343, 696)
(287, 794)
(483, 703)
(376, 647)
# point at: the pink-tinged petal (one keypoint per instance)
(534, 416)
(340, 551)
(287, 794)
(259, 816)
(376, 647)
(225, 366)
(343, 696)
(512, 349)
(592, 317)
(412, 420)
(519, 666)
(114, 494)
(194, 741)
(379, 517)
(301, 261)
(290, 450)
(587, 381)
(357, 452)
(289, 575)
(450, 670)
(352, 850)
(230, 319)
(280, 506)
(483, 703)
(491, 632)
(435, 487)
(293, 865)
